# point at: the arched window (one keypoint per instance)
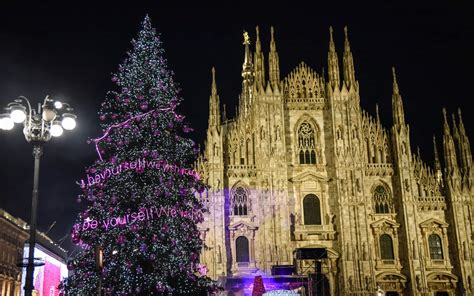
(312, 210)
(436, 248)
(242, 249)
(386, 247)
(382, 200)
(240, 202)
(306, 143)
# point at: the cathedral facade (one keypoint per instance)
(302, 165)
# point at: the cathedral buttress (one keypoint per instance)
(213, 229)
(450, 158)
(465, 156)
(460, 212)
(403, 186)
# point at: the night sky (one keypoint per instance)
(69, 52)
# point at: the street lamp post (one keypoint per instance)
(39, 126)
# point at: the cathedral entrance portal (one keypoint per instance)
(242, 249)
(242, 236)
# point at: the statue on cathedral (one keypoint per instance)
(246, 38)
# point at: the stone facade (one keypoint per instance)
(13, 234)
(303, 166)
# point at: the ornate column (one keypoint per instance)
(233, 250)
(17, 289)
(8, 290)
(252, 250)
(332, 275)
(4, 282)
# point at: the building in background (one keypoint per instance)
(14, 233)
(303, 169)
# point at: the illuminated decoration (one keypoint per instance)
(202, 268)
(138, 165)
(144, 214)
(143, 202)
(258, 287)
(281, 292)
(121, 124)
(272, 285)
(48, 276)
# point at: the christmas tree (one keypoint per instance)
(138, 235)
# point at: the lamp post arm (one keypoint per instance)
(29, 108)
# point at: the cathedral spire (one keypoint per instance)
(437, 165)
(247, 75)
(397, 103)
(455, 129)
(377, 116)
(213, 84)
(214, 104)
(348, 61)
(445, 124)
(273, 62)
(224, 113)
(464, 146)
(247, 65)
(333, 62)
(259, 61)
(449, 150)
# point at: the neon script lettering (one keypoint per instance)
(144, 214)
(137, 165)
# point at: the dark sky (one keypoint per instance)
(70, 51)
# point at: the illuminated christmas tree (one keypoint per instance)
(138, 235)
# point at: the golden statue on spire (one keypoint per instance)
(246, 38)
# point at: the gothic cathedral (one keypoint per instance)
(302, 166)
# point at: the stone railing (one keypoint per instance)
(379, 169)
(305, 103)
(431, 203)
(241, 170)
(240, 167)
